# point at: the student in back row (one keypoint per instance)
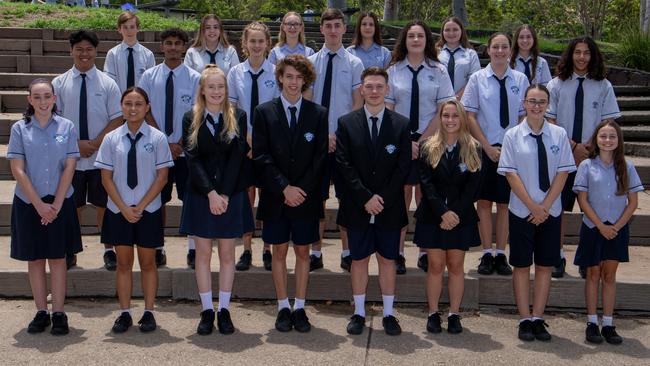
(291, 40)
(366, 44)
(457, 54)
(211, 47)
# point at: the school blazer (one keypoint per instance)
(448, 186)
(367, 170)
(214, 163)
(282, 159)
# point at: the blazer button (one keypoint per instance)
(293, 160)
(373, 172)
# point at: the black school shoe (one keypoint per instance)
(147, 322)
(283, 320)
(539, 330)
(526, 331)
(39, 323)
(315, 262)
(346, 262)
(59, 324)
(423, 262)
(245, 260)
(559, 269)
(400, 265)
(206, 325)
(70, 260)
(433, 323)
(224, 323)
(391, 325)
(267, 259)
(453, 324)
(582, 270)
(501, 265)
(610, 335)
(486, 266)
(122, 323)
(191, 258)
(300, 321)
(356, 324)
(161, 258)
(110, 260)
(592, 334)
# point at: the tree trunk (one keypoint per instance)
(645, 15)
(391, 9)
(460, 11)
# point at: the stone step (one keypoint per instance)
(633, 102)
(636, 148)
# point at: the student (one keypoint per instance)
(91, 100)
(415, 65)
(134, 160)
(216, 206)
(581, 98)
(536, 159)
(525, 56)
(211, 47)
(291, 40)
(373, 154)
(493, 99)
(251, 83)
(171, 86)
(289, 151)
(450, 175)
(44, 224)
(607, 186)
(126, 62)
(454, 42)
(337, 89)
(367, 44)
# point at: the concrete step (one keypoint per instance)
(42, 64)
(631, 90)
(637, 148)
(633, 102)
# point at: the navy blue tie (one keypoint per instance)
(213, 57)
(542, 163)
(414, 114)
(577, 117)
(451, 65)
(169, 104)
(293, 122)
(504, 113)
(83, 110)
(327, 85)
(526, 67)
(132, 162)
(214, 124)
(130, 73)
(255, 94)
(375, 131)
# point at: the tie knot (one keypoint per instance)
(581, 79)
(526, 62)
(374, 119)
(452, 52)
(501, 81)
(212, 53)
(134, 140)
(331, 55)
(255, 76)
(210, 119)
(293, 110)
(83, 76)
(537, 137)
(171, 73)
(415, 72)
(130, 49)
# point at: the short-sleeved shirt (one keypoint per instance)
(197, 58)
(542, 72)
(186, 82)
(346, 78)
(599, 104)
(375, 55)
(435, 88)
(152, 153)
(240, 84)
(280, 52)
(599, 181)
(466, 63)
(45, 151)
(519, 155)
(103, 98)
(117, 59)
(482, 96)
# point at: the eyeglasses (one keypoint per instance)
(293, 25)
(536, 102)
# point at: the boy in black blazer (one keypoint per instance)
(373, 155)
(290, 139)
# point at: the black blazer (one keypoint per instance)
(215, 163)
(367, 170)
(448, 186)
(281, 159)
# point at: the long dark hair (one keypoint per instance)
(137, 90)
(400, 51)
(534, 50)
(464, 40)
(358, 39)
(596, 68)
(620, 166)
(29, 112)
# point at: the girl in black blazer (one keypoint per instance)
(216, 206)
(450, 164)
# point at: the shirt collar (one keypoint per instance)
(286, 104)
(405, 62)
(341, 51)
(219, 49)
(215, 117)
(124, 46)
(575, 76)
(524, 58)
(490, 72)
(176, 71)
(90, 74)
(379, 115)
(34, 122)
(299, 47)
(373, 46)
(526, 130)
(144, 129)
(266, 66)
(445, 47)
(602, 163)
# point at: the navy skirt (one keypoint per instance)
(32, 241)
(494, 186)
(431, 236)
(197, 220)
(594, 248)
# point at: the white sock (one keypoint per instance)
(125, 311)
(109, 249)
(316, 253)
(501, 251)
(360, 305)
(298, 304)
(401, 253)
(536, 318)
(487, 251)
(161, 248)
(190, 243)
(608, 321)
(421, 254)
(284, 303)
(524, 319)
(224, 300)
(388, 304)
(562, 256)
(149, 310)
(450, 314)
(345, 252)
(206, 300)
(592, 318)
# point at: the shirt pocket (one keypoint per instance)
(185, 97)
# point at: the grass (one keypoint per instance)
(634, 50)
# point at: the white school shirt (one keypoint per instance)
(599, 104)
(519, 155)
(467, 63)
(286, 104)
(346, 78)
(542, 72)
(152, 153)
(197, 58)
(117, 59)
(280, 52)
(103, 102)
(435, 88)
(240, 83)
(375, 55)
(482, 96)
(599, 181)
(186, 83)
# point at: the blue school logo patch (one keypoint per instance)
(594, 105)
(462, 167)
(60, 139)
(187, 99)
(269, 83)
(148, 147)
(390, 149)
(555, 149)
(431, 78)
(309, 136)
(514, 89)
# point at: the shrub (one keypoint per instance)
(634, 49)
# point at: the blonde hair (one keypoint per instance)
(282, 38)
(251, 27)
(198, 40)
(433, 148)
(227, 110)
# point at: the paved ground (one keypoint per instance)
(489, 338)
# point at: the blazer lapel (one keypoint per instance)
(365, 131)
(282, 118)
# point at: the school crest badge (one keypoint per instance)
(60, 139)
(148, 147)
(269, 83)
(514, 89)
(462, 167)
(390, 148)
(186, 98)
(595, 105)
(555, 149)
(309, 136)
(431, 78)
